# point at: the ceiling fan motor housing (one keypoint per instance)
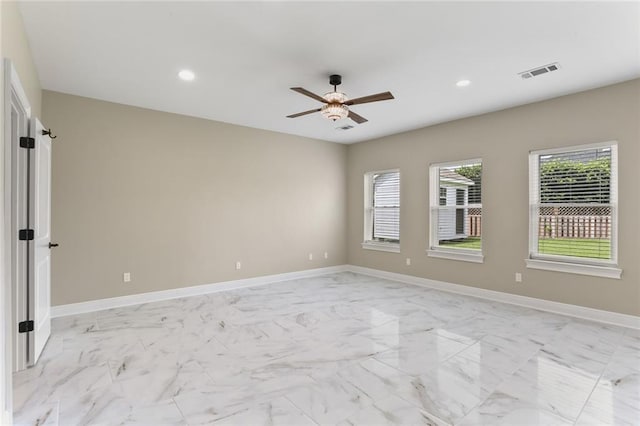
(335, 80)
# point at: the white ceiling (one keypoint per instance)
(246, 55)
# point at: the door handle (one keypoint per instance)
(52, 245)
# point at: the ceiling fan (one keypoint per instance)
(336, 104)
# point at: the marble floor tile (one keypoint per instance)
(151, 379)
(98, 346)
(453, 389)
(623, 381)
(376, 379)
(74, 324)
(46, 414)
(417, 353)
(551, 385)
(585, 345)
(280, 411)
(517, 345)
(606, 406)
(330, 401)
(341, 348)
(210, 404)
(500, 409)
(111, 406)
(627, 354)
(497, 359)
(392, 411)
(56, 378)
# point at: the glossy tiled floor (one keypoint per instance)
(339, 349)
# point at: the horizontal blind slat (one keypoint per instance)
(573, 209)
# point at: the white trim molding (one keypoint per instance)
(177, 293)
(389, 247)
(13, 348)
(613, 318)
(456, 255)
(12, 83)
(575, 268)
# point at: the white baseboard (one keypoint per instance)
(607, 317)
(176, 293)
(613, 318)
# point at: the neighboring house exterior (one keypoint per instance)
(386, 205)
(454, 193)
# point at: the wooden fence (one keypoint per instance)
(573, 226)
(475, 225)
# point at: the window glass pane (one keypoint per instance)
(459, 185)
(459, 221)
(574, 212)
(386, 207)
(443, 196)
(576, 177)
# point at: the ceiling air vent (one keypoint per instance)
(540, 70)
(346, 127)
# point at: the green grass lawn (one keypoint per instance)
(578, 247)
(469, 243)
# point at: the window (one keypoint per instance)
(456, 210)
(382, 211)
(572, 210)
(460, 201)
(443, 196)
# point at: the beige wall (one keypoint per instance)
(503, 140)
(177, 201)
(15, 47)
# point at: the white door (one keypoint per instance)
(40, 256)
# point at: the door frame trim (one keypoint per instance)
(8, 236)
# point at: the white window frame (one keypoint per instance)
(434, 250)
(368, 242)
(607, 268)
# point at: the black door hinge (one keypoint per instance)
(25, 234)
(25, 326)
(26, 142)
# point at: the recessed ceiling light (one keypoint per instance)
(463, 83)
(186, 75)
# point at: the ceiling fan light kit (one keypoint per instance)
(336, 103)
(334, 111)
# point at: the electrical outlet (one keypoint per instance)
(310, 256)
(408, 261)
(326, 255)
(238, 265)
(126, 277)
(518, 277)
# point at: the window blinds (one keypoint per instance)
(573, 201)
(386, 207)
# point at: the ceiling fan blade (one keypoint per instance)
(309, 94)
(357, 118)
(311, 111)
(371, 98)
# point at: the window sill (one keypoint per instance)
(575, 268)
(388, 247)
(465, 257)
